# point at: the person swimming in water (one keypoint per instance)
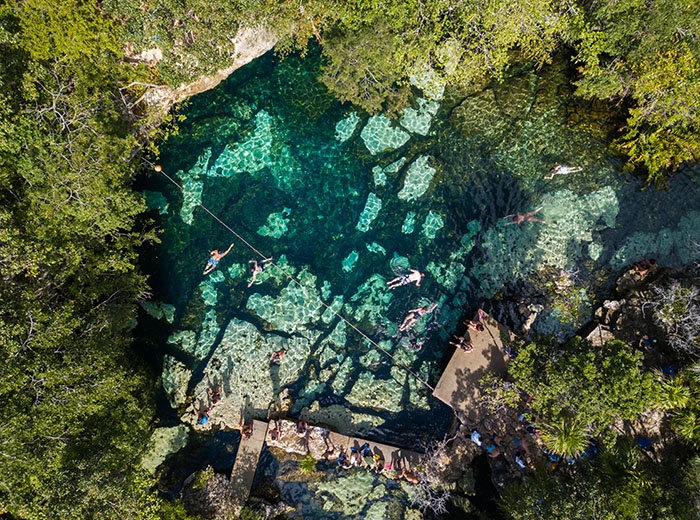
(214, 258)
(277, 356)
(258, 268)
(415, 314)
(560, 169)
(414, 276)
(527, 217)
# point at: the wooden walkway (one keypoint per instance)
(459, 385)
(246, 463)
(320, 445)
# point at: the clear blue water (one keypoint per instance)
(490, 150)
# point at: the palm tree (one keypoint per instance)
(686, 423)
(567, 437)
(673, 393)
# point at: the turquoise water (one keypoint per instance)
(344, 202)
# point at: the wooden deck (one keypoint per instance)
(459, 385)
(246, 463)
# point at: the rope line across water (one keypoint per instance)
(159, 170)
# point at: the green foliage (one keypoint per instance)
(620, 484)
(579, 388)
(308, 464)
(202, 478)
(76, 404)
(647, 53)
(498, 393)
(681, 396)
(361, 68)
(567, 436)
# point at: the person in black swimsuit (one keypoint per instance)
(415, 314)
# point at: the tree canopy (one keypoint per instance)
(579, 391)
(77, 405)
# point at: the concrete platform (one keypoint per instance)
(459, 385)
(246, 463)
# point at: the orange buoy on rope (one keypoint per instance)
(158, 168)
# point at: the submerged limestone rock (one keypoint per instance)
(276, 224)
(294, 309)
(159, 310)
(433, 223)
(572, 222)
(372, 392)
(376, 248)
(346, 127)
(661, 244)
(369, 213)
(164, 442)
(409, 223)
(417, 180)
(418, 121)
(379, 134)
(192, 186)
(371, 300)
(175, 379)
(252, 155)
(341, 419)
(241, 363)
(350, 261)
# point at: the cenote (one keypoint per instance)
(343, 202)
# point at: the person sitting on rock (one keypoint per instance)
(411, 476)
(644, 266)
(414, 276)
(302, 428)
(258, 268)
(214, 394)
(415, 314)
(492, 450)
(214, 258)
(203, 414)
(476, 437)
(275, 433)
(355, 457)
(378, 463)
(277, 356)
(343, 461)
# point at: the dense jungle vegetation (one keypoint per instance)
(77, 402)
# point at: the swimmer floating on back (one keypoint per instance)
(214, 258)
(415, 276)
(527, 217)
(560, 169)
(257, 268)
(415, 314)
